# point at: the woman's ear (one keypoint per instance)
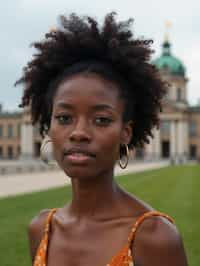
(127, 132)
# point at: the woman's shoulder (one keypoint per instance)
(38, 222)
(153, 225)
(155, 237)
(36, 230)
(157, 241)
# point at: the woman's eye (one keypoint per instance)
(103, 121)
(64, 119)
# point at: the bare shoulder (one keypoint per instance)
(158, 242)
(36, 231)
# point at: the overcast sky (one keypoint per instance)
(25, 21)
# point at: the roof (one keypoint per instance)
(169, 62)
(10, 115)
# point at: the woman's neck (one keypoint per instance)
(94, 196)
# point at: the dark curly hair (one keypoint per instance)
(79, 45)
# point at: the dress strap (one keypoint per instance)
(141, 219)
(40, 258)
(48, 220)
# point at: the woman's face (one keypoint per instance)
(86, 125)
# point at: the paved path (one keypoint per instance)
(29, 182)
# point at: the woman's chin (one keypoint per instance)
(79, 172)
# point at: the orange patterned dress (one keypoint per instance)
(123, 258)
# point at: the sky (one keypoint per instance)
(25, 21)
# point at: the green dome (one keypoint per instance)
(168, 62)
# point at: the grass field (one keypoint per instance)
(174, 190)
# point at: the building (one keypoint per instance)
(178, 137)
(194, 132)
(18, 138)
(10, 134)
(179, 134)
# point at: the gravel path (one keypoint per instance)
(30, 182)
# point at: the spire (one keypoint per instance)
(166, 44)
(168, 25)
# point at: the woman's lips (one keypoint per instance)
(78, 158)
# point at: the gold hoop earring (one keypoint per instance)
(46, 152)
(123, 166)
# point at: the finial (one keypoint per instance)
(168, 25)
(53, 29)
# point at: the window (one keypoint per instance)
(18, 150)
(19, 130)
(165, 127)
(193, 129)
(179, 94)
(1, 131)
(10, 131)
(10, 152)
(165, 149)
(193, 151)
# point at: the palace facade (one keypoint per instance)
(10, 134)
(179, 134)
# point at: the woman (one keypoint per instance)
(95, 95)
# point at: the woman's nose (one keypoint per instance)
(80, 132)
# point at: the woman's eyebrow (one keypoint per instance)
(64, 105)
(99, 107)
(96, 107)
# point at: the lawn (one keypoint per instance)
(174, 190)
